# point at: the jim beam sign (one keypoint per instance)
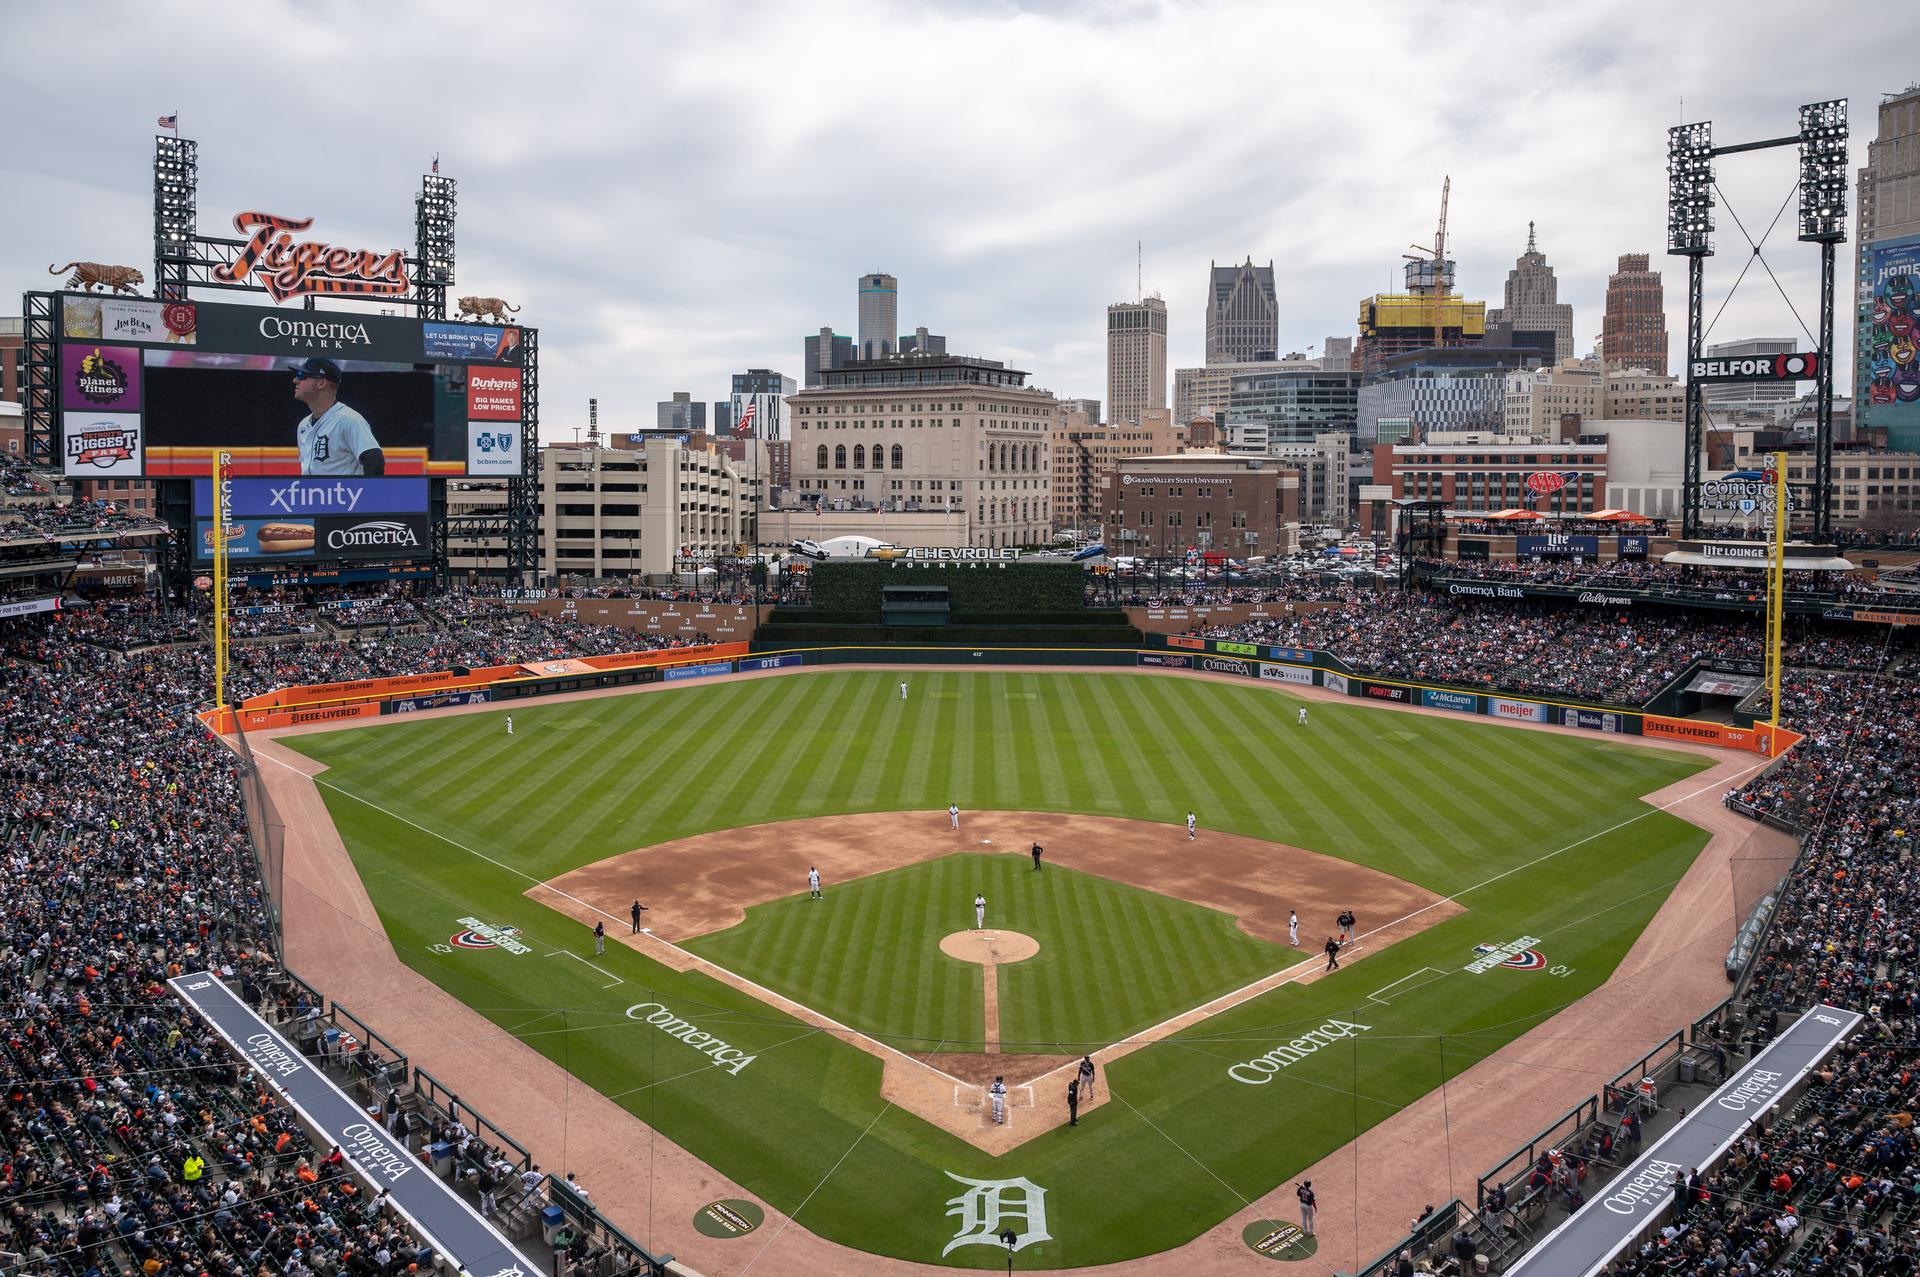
(1794, 366)
(273, 260)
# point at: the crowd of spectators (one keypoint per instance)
(1642, 574)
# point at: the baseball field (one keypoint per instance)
(832, 1056)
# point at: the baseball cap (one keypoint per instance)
(325, 369)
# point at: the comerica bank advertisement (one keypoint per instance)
(158, 389)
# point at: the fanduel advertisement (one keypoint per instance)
(384, 395)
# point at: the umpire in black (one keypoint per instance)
(1073, 1101)
(1037, 849)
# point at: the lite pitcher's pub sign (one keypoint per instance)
(287, 269)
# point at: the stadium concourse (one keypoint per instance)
(133, 1139)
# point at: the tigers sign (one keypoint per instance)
(286, 269)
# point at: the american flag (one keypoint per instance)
(171, 121)
(745, 425)
(436, 164)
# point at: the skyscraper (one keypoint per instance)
(765, 391)
(823, 352)
(1533, 301)
(1243, 314)
(1136, 358)
(682, 413)
(1886, 371)
(879, 316)
(1634, 332)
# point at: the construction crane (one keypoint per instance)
(1439, 252)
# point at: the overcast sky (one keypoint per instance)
(674, 192)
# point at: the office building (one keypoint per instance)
(923, 432)
(1634, 328)
(922, 342)
(822, 352)
(1537, 400)
(1162, 507)
(1481, 473)
(879, 317)
(1209, 389)
(766, 392)
(682, 413)
(1750, 396)
(1325, 466)
(13, 358)
(1456, 388)
(607, 512)
(1243, 314)
(1533, 303)
(1136, 358)
(1090, 408)
(1886, 369)
(1084, 451)
(722, 416)
(1396, 324)
(1873, 489)
(1292, 405)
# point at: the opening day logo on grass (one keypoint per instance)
(484, 935)
(1515, 955)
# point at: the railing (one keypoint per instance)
(433, 1093)
(389, 1070)
(1429, 1235)
(607, 1252)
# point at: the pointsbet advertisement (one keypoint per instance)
(158, 388)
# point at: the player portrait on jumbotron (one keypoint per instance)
(333, 438)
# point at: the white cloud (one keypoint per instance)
(678, 191)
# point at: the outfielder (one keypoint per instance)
(1303, 715)
(979, 910)
(903, 691)
(953, 815)
(997, 1093)
(509, 724)
(813, 884)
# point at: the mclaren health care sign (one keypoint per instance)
(428, 1202)
(1627, 1206)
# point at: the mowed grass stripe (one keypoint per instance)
(1118, 731)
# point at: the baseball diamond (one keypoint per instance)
(1228, 1061)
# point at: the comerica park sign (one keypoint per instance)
(1793, 366)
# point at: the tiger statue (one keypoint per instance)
(87, 275)
(481, 307)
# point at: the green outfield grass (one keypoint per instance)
(1113, 959)
(1538, 835)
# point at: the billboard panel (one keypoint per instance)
(194, 378)
(320, 537)
(291, 497)
(1891, 335)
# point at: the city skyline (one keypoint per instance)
(580, 214)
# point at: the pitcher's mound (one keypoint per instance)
(989, 948)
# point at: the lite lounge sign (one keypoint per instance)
(286, 269)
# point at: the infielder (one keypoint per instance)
(813, 884)
(979, 911)
(997, 1093)
(1189, 826)
(953, 815)
(1293, 928)
(903, 691)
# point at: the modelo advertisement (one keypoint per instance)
(1890, 338)
(1595, 720)
(157, 389)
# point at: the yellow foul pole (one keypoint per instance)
(222, 473)
(1776, 587)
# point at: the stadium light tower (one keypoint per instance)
(1689, 235)
(1823, 221)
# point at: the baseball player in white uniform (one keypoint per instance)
(1303, 715)
(979, 911)
(953, 816)
(1190, 825)
(903, 691)
(997, 1093)
(813, 884)
(1293, 928)
(333, 438)
(509, 724)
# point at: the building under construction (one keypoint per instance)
(1428, 316)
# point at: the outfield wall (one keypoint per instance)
(670, 618)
